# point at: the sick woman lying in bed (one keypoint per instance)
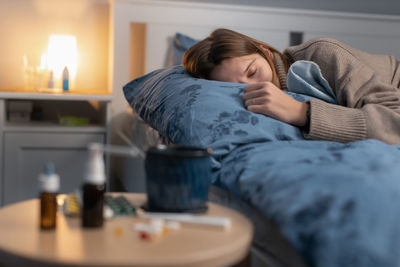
(366, 86)
(335, 202)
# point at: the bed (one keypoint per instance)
(313, 203)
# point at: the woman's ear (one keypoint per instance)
(267, 51)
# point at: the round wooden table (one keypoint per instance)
(22, 243)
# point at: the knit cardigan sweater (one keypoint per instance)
(366, 87)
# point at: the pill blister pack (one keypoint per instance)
(113, 206)
(120, 206)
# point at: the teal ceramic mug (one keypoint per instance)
(177, 178)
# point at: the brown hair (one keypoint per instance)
(200, 59)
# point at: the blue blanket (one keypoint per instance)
(336, 203)
(305, 77)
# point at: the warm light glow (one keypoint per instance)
(43, 62)
(62, 51)
(61, 199)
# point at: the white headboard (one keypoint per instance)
(141, 31)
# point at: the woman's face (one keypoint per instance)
(250, 69)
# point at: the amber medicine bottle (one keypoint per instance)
(93, 189)
(49, 183)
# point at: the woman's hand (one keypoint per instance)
(265, 98)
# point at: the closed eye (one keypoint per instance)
(248, 70)
(252, 72)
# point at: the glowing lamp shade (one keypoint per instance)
(62, 52)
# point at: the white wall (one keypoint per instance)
(388, 7)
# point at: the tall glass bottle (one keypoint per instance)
(93, 189)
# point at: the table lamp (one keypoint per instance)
(62, 55)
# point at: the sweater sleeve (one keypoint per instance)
(335, 123)
(369, 105)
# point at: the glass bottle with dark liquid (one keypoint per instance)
(93, 189)
(49, 186)
(93, 202)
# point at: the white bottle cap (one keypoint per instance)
(95, 173)
(49, 181)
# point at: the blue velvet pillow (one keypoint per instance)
(180, 44)
(202, 113)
